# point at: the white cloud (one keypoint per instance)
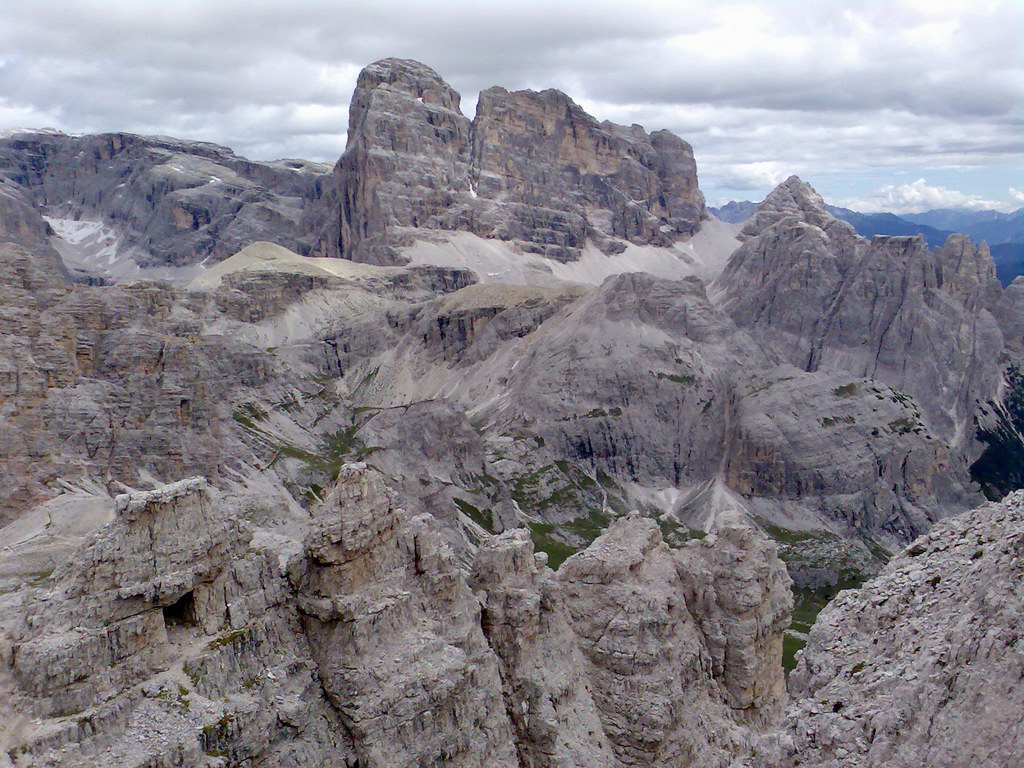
(25, 116)
(761, 89)
(920, 196)
(752, 176)
(1016, 195)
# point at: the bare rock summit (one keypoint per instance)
(531, 168)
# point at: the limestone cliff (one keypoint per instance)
(891, 310)
(160, 201)
(530, 168)
(187, 633)
(921, 666)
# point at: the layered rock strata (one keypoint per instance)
(530, 168)
(890, 310)
(167, 202)
(645, 381)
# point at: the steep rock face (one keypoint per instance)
(738, 592)
(546, 689)
(1009, 311)
(163, 548)
(926, 336)
(129, 385)
(643, 381)
(532, 168)
(169, 640)
(967, 271)
(111, 383)
(396, 635)
(37, 352)
(921, 666)
(562, 176)
(406, 162)
(132, 384)
(665, 685)
(22, 224)
(794, 198)
(169, 202)
(858, 446)
(891, 310)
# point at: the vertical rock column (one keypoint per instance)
(669, 672)
(396, 634)
(547, 693)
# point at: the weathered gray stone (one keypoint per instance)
(890, 310)
(666, 682)
(546, 688)
(169, 202)
(921, 666)
(531, 168)
(396, 635)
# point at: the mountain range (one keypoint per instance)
(1003, 232)
(489, 446)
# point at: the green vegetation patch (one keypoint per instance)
(248, 414)
(832, 421)
(176, 698)
(594, 413)
(903, 426)
(673, 532)
(481, 517)
(797, 550)
(846, 390)
(226, 638)
(335, 450)
(290, 403)
(679, 378)
(790, 646)
(545, 539)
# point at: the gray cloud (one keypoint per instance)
(760, 89)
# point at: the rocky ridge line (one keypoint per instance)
(184, 634)
(923, 665)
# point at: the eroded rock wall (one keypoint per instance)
(170, 202)
(531, 168)
(921, 666)
(183, 633)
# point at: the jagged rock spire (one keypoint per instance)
(795, 198)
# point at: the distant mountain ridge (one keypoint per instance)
(735, 211)
(993, 227)
(871, 224)
(1004, 232)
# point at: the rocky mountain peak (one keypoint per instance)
(826, 298)
(532, 168)
(410, 77)
(796, 199)
(389, 91)
(969, 272)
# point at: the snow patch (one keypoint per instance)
(91, 248)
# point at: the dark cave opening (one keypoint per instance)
(182, 612)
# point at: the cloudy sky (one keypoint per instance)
(899, 105)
